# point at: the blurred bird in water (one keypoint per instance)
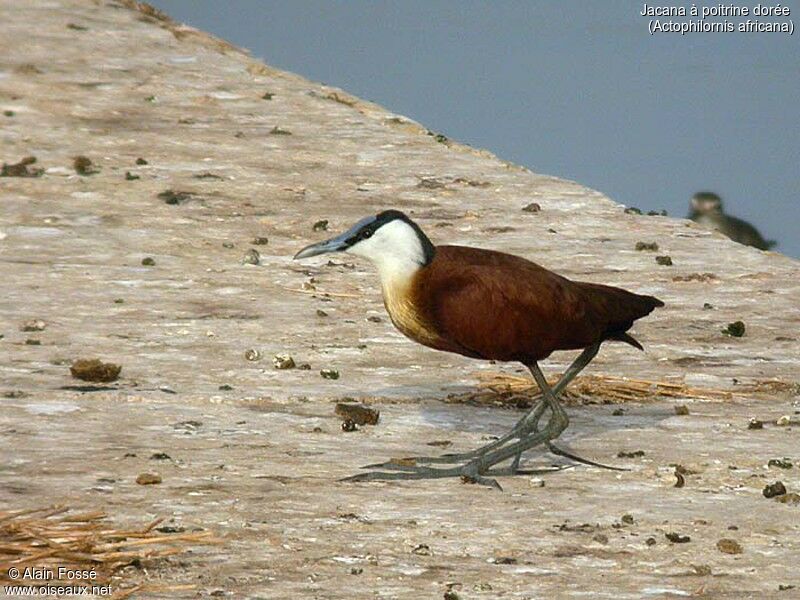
(706, 209)
(492, 306)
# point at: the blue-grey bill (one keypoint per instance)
(336, 244)
(332, 245)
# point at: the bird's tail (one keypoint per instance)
(627, 338)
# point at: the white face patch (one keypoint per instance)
(395, 249)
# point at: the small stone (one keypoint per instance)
(329, 374)
(784, 420)
(34, 325)
(374, 319)
(321, 313)
(618, 412)
(131, 176)
(729, 546)
(504, 560)
(160, 456)
(148, 479)
(681, 410)
(755, 424)
(251, 257)
(533, 207)
(252, 355)
(677, 538)
(283, 361)
(648, 246)
(304, 367)
(321, 225)
(260, 241)
(267, 96)
(651, 541)
(8, 113)
(657, 213)
(627, 519)
(422, 550)
(735, 329)
(632, 210)
(633, 454)
(707, 306)
(783, 587)
(665, 261)
(148, 261)
(358, 413)
(225, 387)
(774, 489)
(228, 245)
(450, 594)
(174, 198)
(94, 370)
(141, 161)
(279, 131)
(537, 482)
(119, 301)
(348, 426)
(33, 342)
(83, 166)
(781, 463)
(356, 571)
(21, 169)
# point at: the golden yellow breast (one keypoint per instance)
(399, 302)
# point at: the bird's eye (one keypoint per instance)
(367, 234)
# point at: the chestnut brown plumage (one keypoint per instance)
(496, 306)
(487, 305)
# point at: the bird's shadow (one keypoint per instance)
(586, 421)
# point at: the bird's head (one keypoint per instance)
(389, 239)
(706, 203)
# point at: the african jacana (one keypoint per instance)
(488, 305)
(706, 208)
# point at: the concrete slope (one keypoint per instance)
(196, 150)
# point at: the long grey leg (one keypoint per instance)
(527, 424)
(475, 469)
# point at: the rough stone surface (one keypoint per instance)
(241, 166)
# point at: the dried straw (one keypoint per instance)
(500, 389)
(54, 537)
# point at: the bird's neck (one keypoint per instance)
(397, 273)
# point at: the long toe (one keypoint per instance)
(418, 473)
(586, 461)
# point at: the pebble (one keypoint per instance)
(329, 374)
(148, 479)
(252, 354)
(283, 361)
(774, 489)
(358, 413)
(251, 257)
(729, 546)
(34, 325)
